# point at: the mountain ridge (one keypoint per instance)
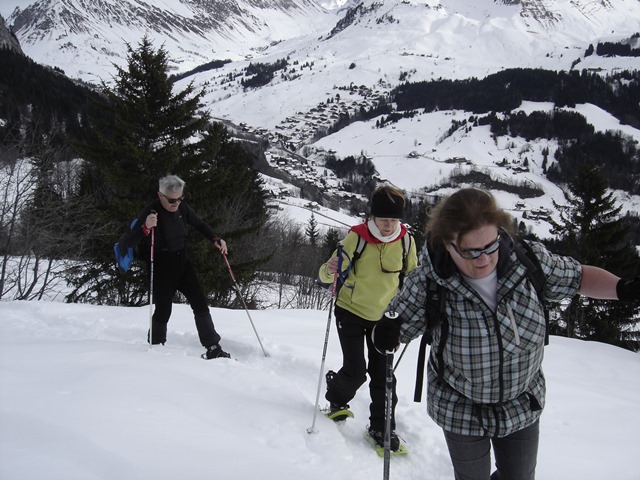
(348, 61)
(85, 42)
(197, 31)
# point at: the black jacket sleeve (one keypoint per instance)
(132, 237)
(196, 222)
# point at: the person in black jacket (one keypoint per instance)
(168, 216)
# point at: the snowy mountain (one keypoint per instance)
(86, 38)
(444, 38)
(352, 55)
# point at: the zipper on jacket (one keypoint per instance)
(514, 325)
(496, 326)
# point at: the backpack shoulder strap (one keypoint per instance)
(422, 356)
(528, 258)
(435, 302)
(357, 252)
(359, 248)
(406, 245)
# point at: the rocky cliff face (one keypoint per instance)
(8, 39)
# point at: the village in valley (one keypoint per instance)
(297, 165)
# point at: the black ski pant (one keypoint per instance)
(173, 272)
(354, 332)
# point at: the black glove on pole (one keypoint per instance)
(386, 333)
(628, 289)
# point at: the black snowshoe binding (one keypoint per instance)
(215, 351)
(378, 438)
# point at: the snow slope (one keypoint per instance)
(83, 397)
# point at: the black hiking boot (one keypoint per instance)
(215, 351)
(329, 377)
(378, 437)
(157, 340)
(336, 407)
(338, 413)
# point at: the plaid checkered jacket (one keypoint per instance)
(493, 383)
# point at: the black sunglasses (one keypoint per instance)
(473, 253)
(172, 200)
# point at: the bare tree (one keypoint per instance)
(16, 187)
(38, 218)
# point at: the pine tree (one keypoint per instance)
(594, 233)
(330, 242)
(312, 230)
(150, 130)
(149, 127)
(419, 222)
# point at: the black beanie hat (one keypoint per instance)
(384, 207)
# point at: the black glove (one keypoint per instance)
(386, 333)
(628, 289)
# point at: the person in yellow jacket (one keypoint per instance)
(366, 288)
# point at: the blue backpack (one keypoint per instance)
(124, 260)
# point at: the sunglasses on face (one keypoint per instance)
(474, 253)
(172, 200)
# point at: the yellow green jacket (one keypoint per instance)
(368, 289)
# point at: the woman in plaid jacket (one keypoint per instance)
(489, 389)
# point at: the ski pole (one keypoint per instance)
(233, 278)
(312, 428)
(394, 314)
(334, 291)
(387, 427)
(153, 239)
(401, 355)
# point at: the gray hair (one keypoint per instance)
(171, 184)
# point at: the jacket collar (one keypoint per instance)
(363, 231)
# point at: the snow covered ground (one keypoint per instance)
(83, 397)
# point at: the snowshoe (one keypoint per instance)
(338, 413)
(215, 351)
(376, 439)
